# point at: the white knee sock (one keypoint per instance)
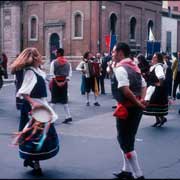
(133, 161)
(126, 166)
(67, 112)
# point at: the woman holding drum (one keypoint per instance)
(37, 138)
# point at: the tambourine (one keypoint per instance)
(41, 114)
(39, 123)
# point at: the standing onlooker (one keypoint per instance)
(156, 95)
(4, 64)
(60, 70)
(131, 89)
(106, 59)
(110, 71)
(86, 67)
(168, 74)
(176, 74)
(102, 75)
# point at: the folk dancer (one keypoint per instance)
(60, 71)
(131, 91)
(157, 92)
(34, 92)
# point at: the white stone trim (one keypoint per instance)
(29, 28)
(73, 25)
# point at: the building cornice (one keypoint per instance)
(53, 24)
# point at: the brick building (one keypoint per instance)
(76, 26)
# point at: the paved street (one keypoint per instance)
(89, 148)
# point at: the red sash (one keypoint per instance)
(60, 78)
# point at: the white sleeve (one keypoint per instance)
(121, 76)
(159, 72)
(79, 66)
(144, 84)
(28, 84)
(70, 72)
(149, 93)
(51, 72)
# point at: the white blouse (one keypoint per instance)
(159, 71)
(28, 84)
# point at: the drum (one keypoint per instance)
(41, 114)
(39, 124)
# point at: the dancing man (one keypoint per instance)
(61, 71)
(131, 91)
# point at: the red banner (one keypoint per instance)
(107, 40)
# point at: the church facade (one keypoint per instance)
(77, 26)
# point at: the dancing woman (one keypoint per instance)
(157, 96)
(34, 92)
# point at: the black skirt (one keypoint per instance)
(59, 94)
(50, 147)
(158, 105)
(28, 150)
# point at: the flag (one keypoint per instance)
(112, 42)
(107, 40)
(151, 36)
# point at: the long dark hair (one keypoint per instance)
(159, 57)
(86, 54)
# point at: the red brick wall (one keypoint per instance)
(174, 3)
(62, 10)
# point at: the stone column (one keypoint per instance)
(10, 28)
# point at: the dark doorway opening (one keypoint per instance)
(54, 45)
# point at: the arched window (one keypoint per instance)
(150, 26)
(132, 28)
(113, 20)
(33, 28)
(77, 25)
(77, 29)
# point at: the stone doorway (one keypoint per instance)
(54, 45)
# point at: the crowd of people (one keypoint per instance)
(3, 68)
(138, 85)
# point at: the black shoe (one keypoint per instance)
(96, 104)
(179, 112)
(28, 162)
(124, 175)
(141, 177)
(156, 124)
(87, 104)
(114, 107)
(162, 122)
(103, 93)
(67, 120)
(37, 172)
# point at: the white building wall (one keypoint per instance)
(169, 24)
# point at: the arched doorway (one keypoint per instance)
(150, 26)
(113, 20)
(54, 44)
